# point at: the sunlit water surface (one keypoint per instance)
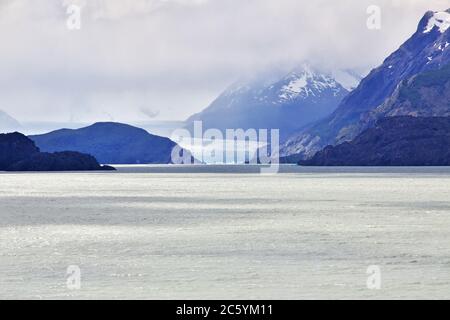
(226, 232)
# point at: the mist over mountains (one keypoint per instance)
(312, 107)
(286, 102)
(176, 56)
(8, 123)
(408, 82)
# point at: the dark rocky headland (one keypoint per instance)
(19, 153)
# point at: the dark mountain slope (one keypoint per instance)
(15, 147)
(108, 142)
(427, 50)
(394, 141)
(424, 95)
(19, 153)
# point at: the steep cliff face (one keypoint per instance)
(393, 141)
(424, 95)
(426, 51)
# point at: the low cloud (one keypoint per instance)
(177, 55)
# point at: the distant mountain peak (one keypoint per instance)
(304, 82)
(274, 101)
(438, 20)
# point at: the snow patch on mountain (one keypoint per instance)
(277, 99)
(304, 82)
(295, 86)
(425, 51)
(441, 20)
(307, 83)
(442, 46)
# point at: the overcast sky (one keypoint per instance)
(166, 59)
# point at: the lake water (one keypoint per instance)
(226, 232)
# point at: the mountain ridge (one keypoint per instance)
(393, 141)
(110, 142)
(426, 50)
(289, 102)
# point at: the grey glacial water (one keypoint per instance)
(226, 232)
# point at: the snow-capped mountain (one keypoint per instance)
(288, 103)
(8, 123)
(299, 85)
(427, 50)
